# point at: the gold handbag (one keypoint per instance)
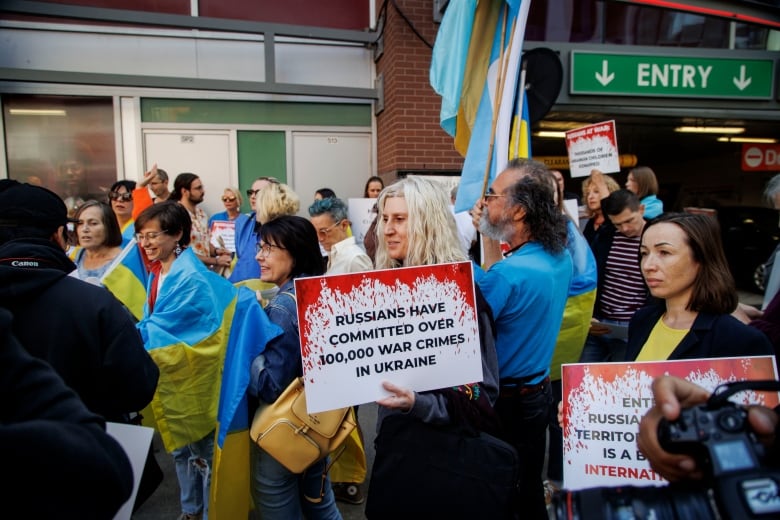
(295, 438)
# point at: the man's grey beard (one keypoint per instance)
(495, 231)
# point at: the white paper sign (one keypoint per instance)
(415, 327)
(593, 147)
(223, 234)
(136, 441)
(361, 215)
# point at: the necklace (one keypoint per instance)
(518, 246)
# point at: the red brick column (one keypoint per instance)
(408, 133)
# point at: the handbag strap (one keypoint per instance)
(333, 459)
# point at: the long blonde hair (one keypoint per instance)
(431, 230)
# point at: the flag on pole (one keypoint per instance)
(490, 74)
(448, 60)
(520, 136)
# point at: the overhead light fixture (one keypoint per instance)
(37, 112)
(710, 129)
(746, 140)
(550, 133)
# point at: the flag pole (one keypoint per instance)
(504, 63)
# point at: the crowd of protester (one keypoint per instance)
(547, 294)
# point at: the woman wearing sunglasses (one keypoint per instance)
(231, 199)
(120, 196)
(223, 226)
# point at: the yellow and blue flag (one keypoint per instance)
(490, 75)
(448, 61)
(203, 334)
(127, 278)
(128, 232)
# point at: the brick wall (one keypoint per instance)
(408, 133)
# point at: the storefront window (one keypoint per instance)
(63, 143)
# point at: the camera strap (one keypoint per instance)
(721, 394)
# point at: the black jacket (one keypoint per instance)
(58, 459)
(80, 329)
(711, 336)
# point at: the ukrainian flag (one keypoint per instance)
(489, 86)
(128, 232)
(127, 278)
(203, 334)
(579, 304)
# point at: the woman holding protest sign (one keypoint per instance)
(417, 228)
(288, 249)
(684, 266)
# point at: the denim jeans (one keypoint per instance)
(193, 470)
(604, 348)
(525, 422)
(279, 494)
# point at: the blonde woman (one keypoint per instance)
(596, 187)
(275, 200)
(416, 228)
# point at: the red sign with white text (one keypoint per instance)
(760, 157)
(604, 402)
(593, 147)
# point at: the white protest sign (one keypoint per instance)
(593, 147)
(135, 440)
(414, 326)
(223, 234)
(361, 215)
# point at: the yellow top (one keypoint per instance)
(661, 342)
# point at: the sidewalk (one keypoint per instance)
(164, 503)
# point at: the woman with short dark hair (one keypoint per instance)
(287, 249)
(683, 263)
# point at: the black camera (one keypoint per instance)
(737, 483)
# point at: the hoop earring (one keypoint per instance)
(178, 249)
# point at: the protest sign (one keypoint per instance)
(603, 404)
(414, 326)
(223, 234)
(361, 215)
(593, 147)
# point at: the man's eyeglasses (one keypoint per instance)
(326, 231)
(491, 194)
(151, 235)
(228, 199)
(124, 197)
(265, 250)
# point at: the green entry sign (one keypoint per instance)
(672, 76)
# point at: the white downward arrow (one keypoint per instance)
(742, 82)
(605, 78)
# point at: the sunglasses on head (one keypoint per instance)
(124, 197)
(228, 199)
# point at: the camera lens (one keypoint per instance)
(629, 502)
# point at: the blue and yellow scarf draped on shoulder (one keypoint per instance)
(203, 334)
